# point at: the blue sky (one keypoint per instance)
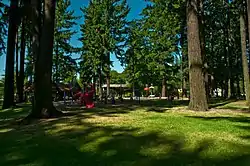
(136, 8)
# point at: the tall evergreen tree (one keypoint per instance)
(162, 25)
(65, 21)
(135, 58)
(92, 50)
(22, 58)
(43, 105)
(198, 100)
(113, 31)
(219, 43)
(10, 55)
(248, 18)
(244, 54)
(108, 20)
(3, 26)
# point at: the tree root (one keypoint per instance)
(45, 113)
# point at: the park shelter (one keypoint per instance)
(118, 88)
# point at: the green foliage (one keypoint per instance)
(64, 66)
(222, 36)
(103, 33)
(152, 44)
(3, 26)
(117, 78)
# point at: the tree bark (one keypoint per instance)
(10, 56)
(35, 41)
(183, 57)
(57, 63)
(43, 106)
(202, 44)
(184, 91)
(163, 90)
(22, 57)
(248, 17)
(17, 67)
(238, 92)
(108, 84)
(198, 100)
(244, 57)
(36, 28)
(100, 84)
(108, 75)
(231, 87)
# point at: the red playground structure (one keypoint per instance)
(86, 97)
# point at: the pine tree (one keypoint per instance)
(23, 31)
(198, 100)
(112, 31)
(243, 30)
(3, 26)
(104, 33)
(221, 17)
(93, 59)
(43, 105)
(135, 58)
(10, 55)
(161, 25)
(64, 65)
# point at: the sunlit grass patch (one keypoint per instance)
(142, 135)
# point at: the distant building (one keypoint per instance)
(116, 86)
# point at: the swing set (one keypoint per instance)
(77, 94)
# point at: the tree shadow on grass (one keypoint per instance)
(92, 144)
(242, 122)
(159, 106)
(164, 103)
(219, 102)
(13, 114)
(241, 119)
(236, 108)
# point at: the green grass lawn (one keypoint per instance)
(129, 135)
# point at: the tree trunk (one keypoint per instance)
(57, 63)
(35, 42)
(108, 84)
(100, 84)
(183, 58)
(238, 92)
(244, 58)
(22, 57)
(10, 56)
(202, 41)
(229, 82)
(231, 87)
(163, 90)
(184, 91)
(17, 66)
(198, 100)
(248, 18)
(94, 85)
(108, 75)
(226, 89)
(43, 106)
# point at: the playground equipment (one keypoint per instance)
(63, 92)
(86, 97)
